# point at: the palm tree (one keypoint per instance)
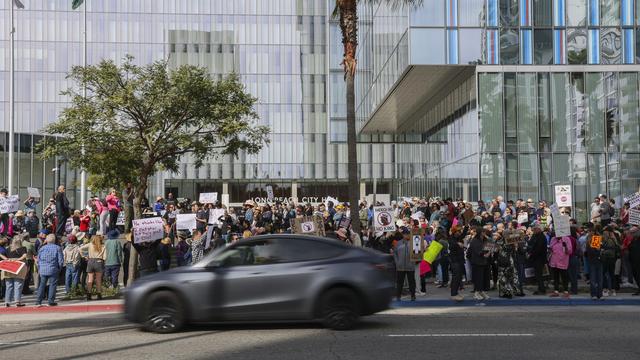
(347, 12)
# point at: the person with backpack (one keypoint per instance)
(594, 256)
(610, 253)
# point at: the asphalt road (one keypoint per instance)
(443, 333)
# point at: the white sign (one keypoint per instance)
(555, 211)
(120, 219)
(332, 200)
(33, 192)
(562, 226)
(149, 229)
(208, 198)
(308, 227)
(225, 199)
(523, 218)
(9, 204)
(417, 215)
(68, 226)
(563, 195)
(214, 216)
(185, 222)
(383, 219)
(634, 217)
(417, 241)
(269, 192)
(633, 200)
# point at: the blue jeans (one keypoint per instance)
(112, 272)
(13, 291)
(596, 278)
(53, 283)
(71, 277)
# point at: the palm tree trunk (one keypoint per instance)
(349, 28)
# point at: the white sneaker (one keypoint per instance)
(421, 293)
(605, 293)
(457, 298)
(485, 296)
(478, 296)
(613, 293)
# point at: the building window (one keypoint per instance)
(594, 13)
(452, 12)
(577, 46)
(526, 56)
(527, 110)
(559, 13)
(627, 41)
(452, 46)
(509, 47)
(492, 13)
(576, 12)
(559, 47)
(610, 46)
(609, 12)
(542, 12)
(626, 8)
(525, 12)
(509, 13)
(594, 46)
(543, 47)
(490, 112)
(493, 47)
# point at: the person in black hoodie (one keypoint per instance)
(479, 264)
(538, 257)
(456, 257)
(147, 256)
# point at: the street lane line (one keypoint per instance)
(29, 342)
(460, 335)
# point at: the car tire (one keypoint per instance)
(339, 309)
(165, 313)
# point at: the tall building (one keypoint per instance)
(519, 95)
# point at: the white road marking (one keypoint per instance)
(29, 342)
(460, 335)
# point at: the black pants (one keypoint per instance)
(481, 275)
(457, 269)
(62, 223)
(113, 219)
(557, 275)
(444, 264)
(423, 283)
(410, 275)
(539, 269)
(493, 266)
(635, 268)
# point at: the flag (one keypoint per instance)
(76, 3)
(18, 4)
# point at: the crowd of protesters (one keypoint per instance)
(496, 245)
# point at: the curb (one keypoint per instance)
(62, 309)
(513, 302)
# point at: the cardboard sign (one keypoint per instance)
(68, 226)
(149, 229)
(208, 198)
(185, 222)
(563, 195)
(301, 225)
(209, 237)
(596, 242)
(634, 217)
(270, 192)
(308, 227)
(523, 218)
(383, 220)
(214, 216)
(562, 226)
(633, 200)
(9, 204)
(344, 222)
(33, 192)
(513, 237)
(432, 252)
(12, 266)
(120, 220)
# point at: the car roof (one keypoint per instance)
(325, 240)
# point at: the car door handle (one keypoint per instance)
(257, 273)
(318, 268)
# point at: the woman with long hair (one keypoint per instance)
(95, 264)
(14, 282)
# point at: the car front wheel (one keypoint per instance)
(165, 313)
(340, 310)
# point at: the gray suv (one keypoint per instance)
(267, 278)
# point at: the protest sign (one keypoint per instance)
(562, 226)
(120, 220)
(214, 216)
(270, 192)
(329, 199)
(308, 225)
(529, 272)
(209, 237)
(634, 217)
(523, 218)
(633, 200)
(185, 222)
(12, 266)
(563, 195)
(555, 211)
(417, 215)
(418, 245)
(208, 198)
(149, 229)
(33, 192)
(68, 226)
(383, 219)
(596, 242)
(432, 252)
(9, 204)
(513, 237)
(344, 222)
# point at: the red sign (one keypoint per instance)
(11, 266)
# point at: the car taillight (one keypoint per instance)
(382, 267)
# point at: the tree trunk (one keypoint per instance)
(349, 28)
(137, 214)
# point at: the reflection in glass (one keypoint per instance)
(542, 12)
(561, 127)
(627, 49)
(578, 111)
(559, 47)
(629, 125)
(510, 112)
(512, 175)
(470, 46)
(490, 112)
(427, 46)
(581, 199)
(594, 12)
(452, 46)
(451, 12)
(432, 15)
(508, 13)
(472, 13)
(545, 177)
(526, 52)
(609, 12)
(544, 116)
(576, 12)
(543, 47)
(593, 42)
(627, 12)
(525, 12)
(597, 175)
(492, 175)
(492, 13)
(527, 110)
(493, 47)
(509, 48)
(528, 176)
(559, 13)
(594, 124)
(612, 124)
(577, 46)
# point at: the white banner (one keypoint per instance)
(563, 195)
(214, 215)
(633, 200)
(562, 225)
(185, 222)
(33, 192)
(150, 229)
(208, 198)
(634, 217)
(383, 219)
(9, 204)
(270, 192)
(523, 218)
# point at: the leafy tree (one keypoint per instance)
(347, 12)
(138, 120)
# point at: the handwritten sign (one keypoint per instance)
(208, 198)
(596, 242)
(68, 226)
(562, 226)
(214, 216)
(523, 218)
(633, 200)
(33, 192)
(9, 204)
(120, 219)
(329, 199)
(185, 222)
(383, 219)
(149, 229)
(634, 217)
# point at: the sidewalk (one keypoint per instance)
(64, 306)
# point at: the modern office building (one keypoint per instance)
(517, 96)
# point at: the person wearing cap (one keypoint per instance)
(72, 258)
(14, 282)
(538, 256)
(32, 223)
(405, 268)
(19, 225)
(114, 257)
(50, 263)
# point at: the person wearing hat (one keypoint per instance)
(32, 223)
(114, 257)
(19, 225)
(538, 256)
(404, 266)
(72, 258)
(248, 212)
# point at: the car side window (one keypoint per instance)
(293, 250)
(258, 253)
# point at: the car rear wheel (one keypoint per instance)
(165, 313)
(340, 310)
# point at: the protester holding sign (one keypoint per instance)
(15, 282)
(404, 266)
(593, 252)
(561, 250)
